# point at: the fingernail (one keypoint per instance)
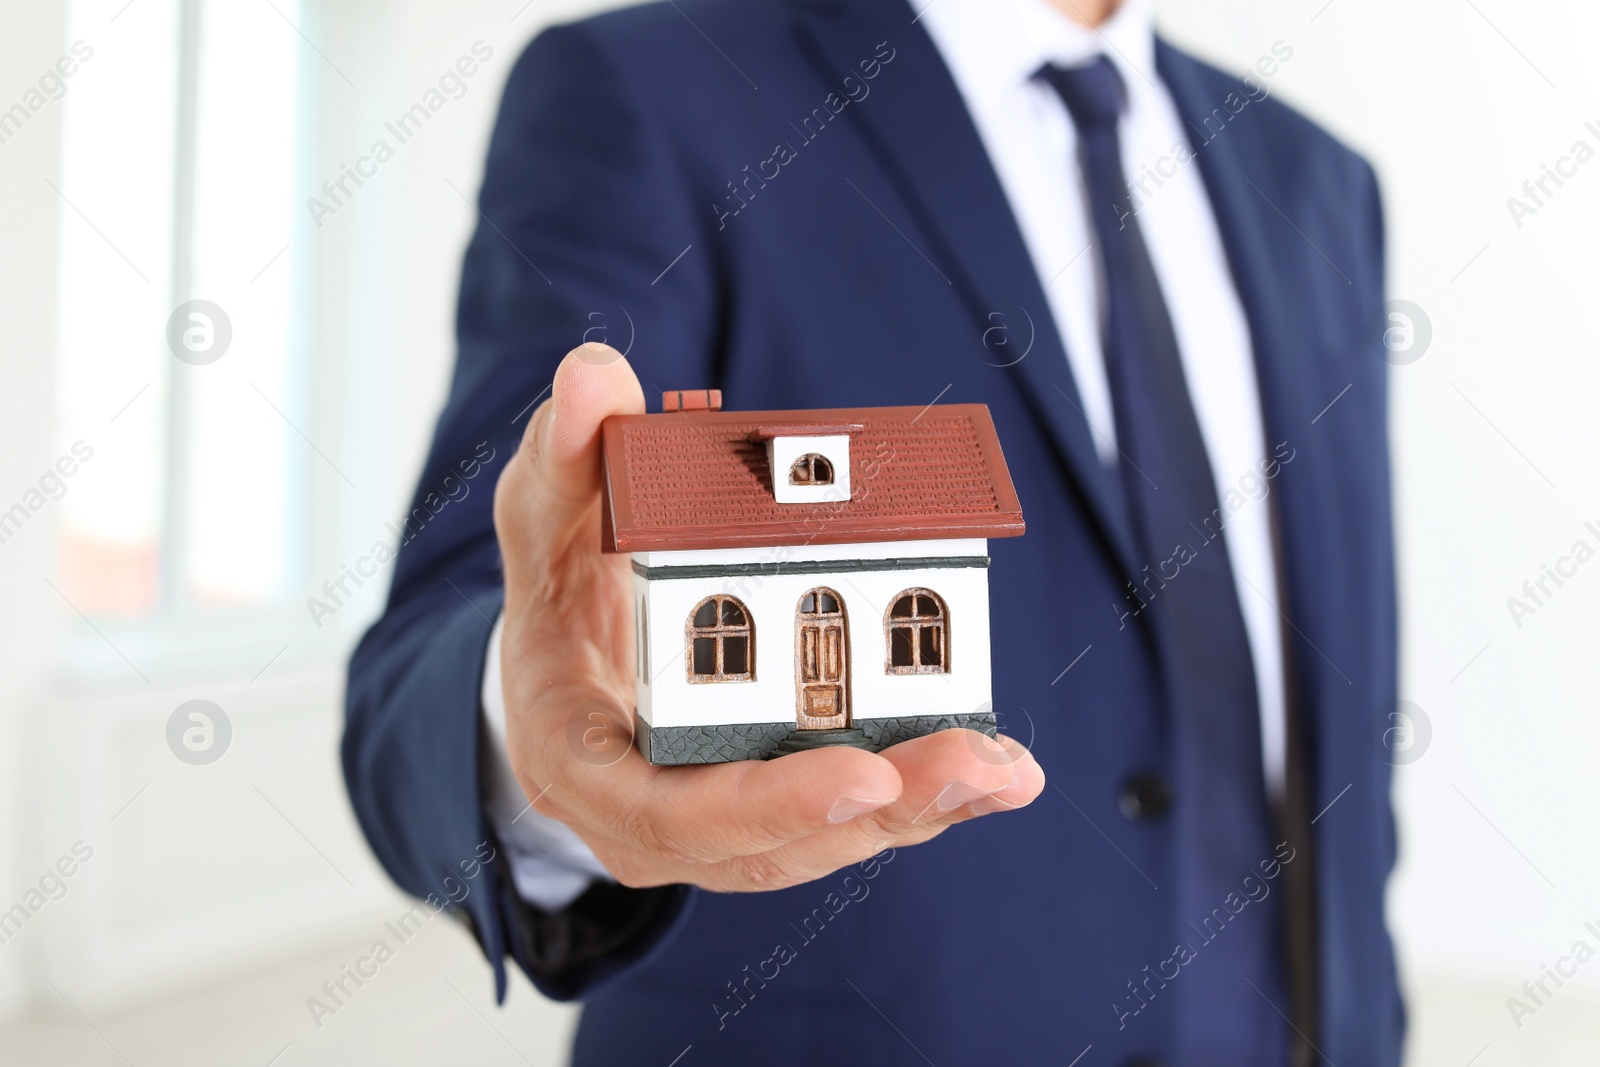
(848, 807)
(548, 429)
(957, 793)
(596, 354)
(990, 804)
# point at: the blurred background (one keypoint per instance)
(192, 873)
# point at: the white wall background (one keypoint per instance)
(215, 904)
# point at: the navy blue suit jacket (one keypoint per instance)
(831, 239)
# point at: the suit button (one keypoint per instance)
(1144, 796)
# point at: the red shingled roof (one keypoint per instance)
(697, 480)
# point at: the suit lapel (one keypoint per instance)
(1268, 266)
(1240, 185)
(917, 125)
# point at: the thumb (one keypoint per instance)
(555, 476)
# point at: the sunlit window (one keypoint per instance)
(181, 135)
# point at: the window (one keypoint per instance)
(721, 642)
(820, 602)
(916, 630)
(811, 469)
(194, 516)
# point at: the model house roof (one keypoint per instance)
(700, 479)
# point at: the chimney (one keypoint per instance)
(691, 400)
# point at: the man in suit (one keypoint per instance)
(1163, 283)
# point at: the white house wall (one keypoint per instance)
(932, 547)
(669, 699)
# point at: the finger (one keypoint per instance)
(555, 476)
(845, 840)
(950, 777)
(593, 382)
(1027, 783)
(809, 858)
(706, 814)
(804, 805)
(943, 772)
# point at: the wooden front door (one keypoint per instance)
(821, 658)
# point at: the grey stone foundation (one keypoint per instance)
(668, 746)
(892, 731)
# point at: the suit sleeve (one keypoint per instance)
(582, 209)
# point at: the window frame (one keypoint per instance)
(916, 623)
(810, 461)
(719, 632)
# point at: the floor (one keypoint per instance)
(432, 1003)
(1455, 1023)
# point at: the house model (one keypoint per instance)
(805, 577)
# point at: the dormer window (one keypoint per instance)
(811, 469)
(809, 461)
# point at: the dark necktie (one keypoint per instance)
(1222, 823)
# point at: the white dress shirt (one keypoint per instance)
(993, 49)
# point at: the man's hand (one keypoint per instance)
(567, 668)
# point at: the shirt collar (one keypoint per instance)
(994, 46)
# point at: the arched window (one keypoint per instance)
(917, 632)
(811, 469)
(721, 641)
